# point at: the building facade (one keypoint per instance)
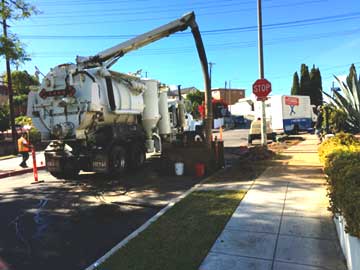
(229, 95)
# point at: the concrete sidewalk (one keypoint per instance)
(283, 222)
(10, 167)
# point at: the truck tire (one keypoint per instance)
(118, 162)
(137, 157)
(296, 130)
(250, 139)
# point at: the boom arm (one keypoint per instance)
(109, 56)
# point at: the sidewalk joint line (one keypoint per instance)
(282, 234)
(241, 256)
(240, 230)
(302, 264)
(278, 234)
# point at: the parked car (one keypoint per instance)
(255, 131)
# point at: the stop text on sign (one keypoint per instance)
(262, 88)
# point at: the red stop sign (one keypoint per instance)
(261, 88)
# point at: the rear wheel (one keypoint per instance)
(118, 160)
(137, 157)
(250, 139)
(296, 130)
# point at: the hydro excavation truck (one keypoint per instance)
(99, 120)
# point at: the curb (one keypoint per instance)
(20, 172)
(8, 157)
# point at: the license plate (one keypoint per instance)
(100, 165)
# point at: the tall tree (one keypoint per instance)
(295, 89)
(196, 99)
(315, 90)
(4, 117)
(304, 80)
(22, 82)
(10, 46)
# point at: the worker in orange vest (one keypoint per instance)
(24, 148)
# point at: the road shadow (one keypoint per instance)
(69, 224)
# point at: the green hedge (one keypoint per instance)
(341, 141)
(34, 136)
(341, 159)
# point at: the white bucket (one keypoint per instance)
(179, 168)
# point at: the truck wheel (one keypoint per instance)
(250, 139)
(137, 157)
(296, 130)
(70, 170)
(118, 160)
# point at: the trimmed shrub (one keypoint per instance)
(23, 120)
(338, 142)
(34, 136)
(341, 159)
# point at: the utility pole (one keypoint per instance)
(211, 64)
(261, 74)
(9, 82)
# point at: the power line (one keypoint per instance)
(72, 23)
(160, 9)
(216, 46)
(327, 19)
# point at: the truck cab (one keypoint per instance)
(255, 131)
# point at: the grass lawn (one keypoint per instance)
(182, 237)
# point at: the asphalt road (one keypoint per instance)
(235, 138)
(70, 224)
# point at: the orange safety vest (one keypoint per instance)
(23, 145)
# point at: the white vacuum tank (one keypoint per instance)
(69, 100)
(164, 123)
(150, 116)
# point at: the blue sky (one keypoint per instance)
(320, 32)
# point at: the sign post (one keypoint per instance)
(261, 89)
(35, 171)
